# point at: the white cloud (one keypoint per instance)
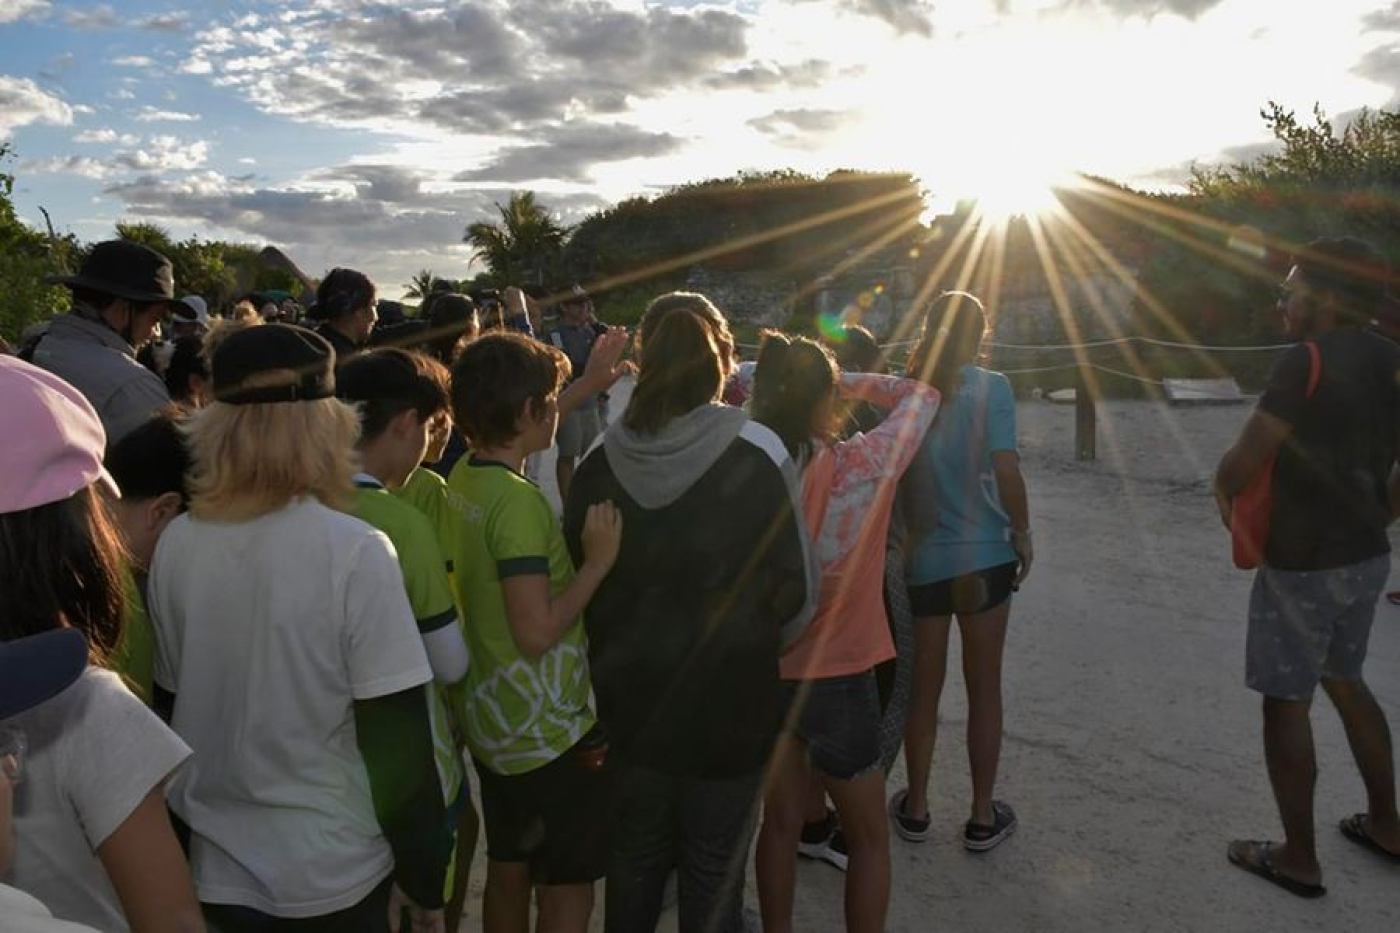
(150, 114)
(23, 102)
(133, 61)
(105, 136)
(163, 154)
(84, 166)
(12, 11)
(98, 17)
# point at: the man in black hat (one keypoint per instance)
(119, 296)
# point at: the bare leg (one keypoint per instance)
(506, 905)
(983, 637)
(816, 799)
(921, 730)
(1288, 750)
(1368, 733)
(775, 858)
(564, 908)
(861, 805)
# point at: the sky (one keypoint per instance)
(369, 134)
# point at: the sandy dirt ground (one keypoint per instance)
(1132, 750)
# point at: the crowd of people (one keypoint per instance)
(312, 579)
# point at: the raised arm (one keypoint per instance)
(887, 450)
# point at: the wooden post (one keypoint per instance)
(1085, 417)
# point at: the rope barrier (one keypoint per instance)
(1152, 341)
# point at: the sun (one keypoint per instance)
(998, 189)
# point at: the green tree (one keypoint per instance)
(1215, 266)
(26, 257)
(524, 247)
(421, 284)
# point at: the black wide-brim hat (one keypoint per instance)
(125, 269)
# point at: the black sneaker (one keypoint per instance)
(816, 835)
(979, 837)
(908, 828)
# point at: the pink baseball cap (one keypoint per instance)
(54, 439)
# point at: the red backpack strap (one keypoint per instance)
(1314, 367)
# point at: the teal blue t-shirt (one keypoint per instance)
(973, 530)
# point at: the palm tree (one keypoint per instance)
(524, 248)
(421, 284)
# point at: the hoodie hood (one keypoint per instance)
(657, 469)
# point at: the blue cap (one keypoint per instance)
(38, 667)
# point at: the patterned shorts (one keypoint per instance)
(1307, 625)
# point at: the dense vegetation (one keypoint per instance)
(1206, 259)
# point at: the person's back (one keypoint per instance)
(267, 671)
(101, 365)
(1330, 505)
(712, 578)
(952, 476)
(684, 634)
(290, 659)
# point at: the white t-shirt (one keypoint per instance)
(21, 913)
(267, 631)
(95, 752)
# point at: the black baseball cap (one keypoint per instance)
(273, 363)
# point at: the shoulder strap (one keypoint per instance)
(1314, 367)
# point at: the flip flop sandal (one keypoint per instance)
(979, 837)
(1253, 857)
(1393, 597)
(1354, 828)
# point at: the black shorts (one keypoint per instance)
(979, 591)
(555, 818)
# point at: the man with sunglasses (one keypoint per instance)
(121, 292)
(1331, 415)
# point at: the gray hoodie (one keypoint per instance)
(657, 469)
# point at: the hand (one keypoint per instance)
(605, 365)
(1025, 556)
(421, 920)
(513, 297)
(1226, 507)
(602, 534)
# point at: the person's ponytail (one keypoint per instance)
(791, 378)
(950, 337)
(681, 369)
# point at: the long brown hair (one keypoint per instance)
(61, 565)
(950, 337)
(791, 378)
(687, 353)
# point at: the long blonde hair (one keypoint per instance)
(250, 460)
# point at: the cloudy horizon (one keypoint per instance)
(352, 132)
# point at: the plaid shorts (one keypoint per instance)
(1310, 624)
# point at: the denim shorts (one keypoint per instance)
(839, 719)
(1311, 624)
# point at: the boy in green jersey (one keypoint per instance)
(538, 751)
(399, 395)
(149, 464)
